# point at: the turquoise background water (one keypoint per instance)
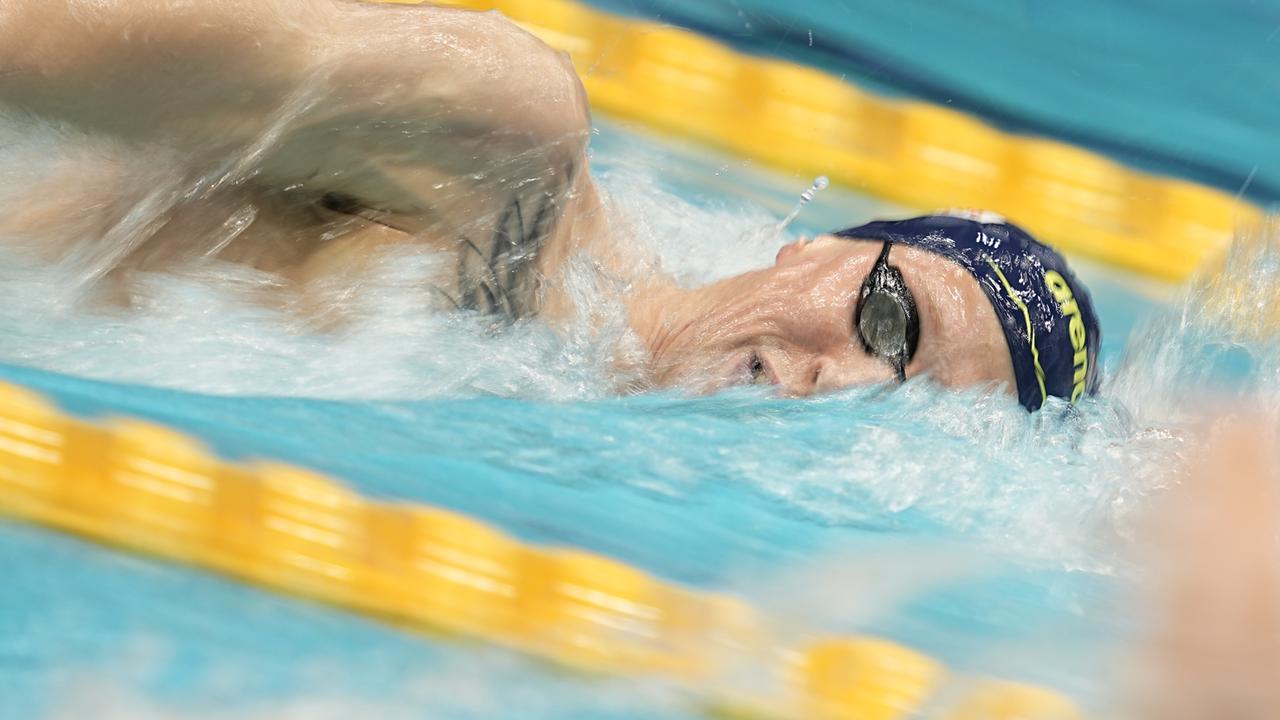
(1185, 87)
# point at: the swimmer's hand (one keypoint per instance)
(1215, 581)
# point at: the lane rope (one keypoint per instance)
(918, 154)
(155, 491)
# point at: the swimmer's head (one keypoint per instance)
(1044, 311)
(965, 298)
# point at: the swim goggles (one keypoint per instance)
(886, 318)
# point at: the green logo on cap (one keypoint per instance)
(1075, 327)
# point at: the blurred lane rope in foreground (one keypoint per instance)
(152, 490)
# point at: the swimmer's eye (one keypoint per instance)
(757, 370)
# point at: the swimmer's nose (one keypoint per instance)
(789, 250)
(818, 377)
(827, 374)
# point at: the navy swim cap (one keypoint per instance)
(1048, 319)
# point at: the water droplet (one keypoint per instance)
(820, 183)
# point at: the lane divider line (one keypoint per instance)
(152, 490)
(918, 154)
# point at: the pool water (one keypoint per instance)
(953, 521)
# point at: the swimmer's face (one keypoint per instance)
(792, 325)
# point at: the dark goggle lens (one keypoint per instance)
(887, 323)
(883, 325)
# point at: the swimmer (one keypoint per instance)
(312, 135)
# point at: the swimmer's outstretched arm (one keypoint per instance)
(136, 67)
(386, 105)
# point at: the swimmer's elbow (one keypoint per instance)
(474, 74)
(540, 92)
(564, 118)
